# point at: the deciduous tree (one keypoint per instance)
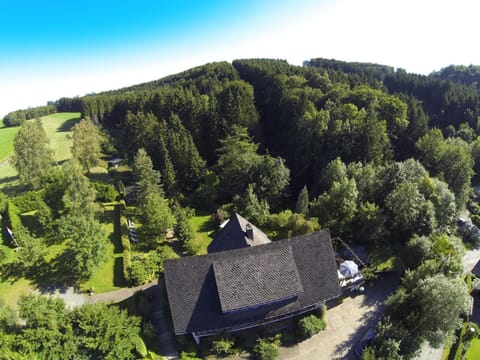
(32, 157)
(87, 144)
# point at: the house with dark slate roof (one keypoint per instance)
(237, 233)
(237, 289)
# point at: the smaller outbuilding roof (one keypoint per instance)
(237, 233)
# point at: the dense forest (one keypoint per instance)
(379, 156)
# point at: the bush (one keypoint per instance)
(28, 201)
(143, 270)
(310, 325)
(188, 356)
(121, 188)
(223, 347)
(266, 349)
(126, 245)
(127, 264)
(13, 217)
(105, 192)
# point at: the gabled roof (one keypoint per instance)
(250, 280)
(216, 292)
(234, 235)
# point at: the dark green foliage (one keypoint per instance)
(251, 207)
(266, 349)
(15, 118)
(183, 230)
(79, 196)
(32, 249)
(54, 188)
(28, 201)
(450, 159)
(106, 332)
(239, 165)
(105, 192)
(146, 268)
(287, 224)
(86, 247)
(302, 202)
(428, 306)
(310, 325)
(184, 156)
(13, 217)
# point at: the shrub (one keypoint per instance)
(13, 217)
(223, 347)
(127, 264)
(105, 192)
(121, 188)
(266, 349)
(310, 325)
(28, 201)
(143, 270)
(188, 356)
(126, 245)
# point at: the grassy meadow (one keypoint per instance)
(57, 126)
(6, 141)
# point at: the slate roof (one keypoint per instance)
(246, 281)
(234, 236)
(214, 292)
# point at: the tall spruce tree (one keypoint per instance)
(302, 202)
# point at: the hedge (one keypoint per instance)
(127, 249)
(13, 217)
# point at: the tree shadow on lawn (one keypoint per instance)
(118, 279)
(12, 187)
(68, 125)
(12, 272)
(54, 275)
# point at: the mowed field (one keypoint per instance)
(6, 141)
(57, 127)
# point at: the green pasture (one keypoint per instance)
(6, 141)
(57, 126)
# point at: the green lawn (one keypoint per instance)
(387, 258)
(6, 141)
(473, 352)
(204, 228)
(109, 275)
(10, 293)
(57, 126)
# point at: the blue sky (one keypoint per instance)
(50, 49)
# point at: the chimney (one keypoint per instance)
(249, 231)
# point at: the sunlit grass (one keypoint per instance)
(6, 141)
(204, 227)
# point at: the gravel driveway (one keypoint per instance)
(345, 325)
